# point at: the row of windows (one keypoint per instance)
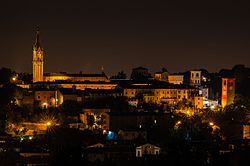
(163, 92)
(197, 81)
(172, 92)
(196, 75)
(179, 97)
(39, 97)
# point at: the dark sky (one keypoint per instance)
(120, 34)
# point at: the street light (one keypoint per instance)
(211, 123)
(44, 105)
(177, 124)
(48, 123)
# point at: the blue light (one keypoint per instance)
(111, 135)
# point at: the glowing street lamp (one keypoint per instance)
(45, 105)
(212, 107)
(177, 124)
(48, 123)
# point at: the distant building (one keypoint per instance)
(208, 103)
(33, 158)
(71, 94)
(163, 94)
(162, 75)
(246, 131)
(136, 90)
(170, 95)
(147, 149)
(195, 77)
(175, 78)
(38, 70)
(37, 59)
(48, 98)
(228, 91)
(204, 91)
(115, 152)
(77, 85)
(51, 77)
(140, 74)
(198, 102)
(103, 93)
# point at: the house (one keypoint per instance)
(147, 149)
(48, 98)
(175, 78)
(115, 151)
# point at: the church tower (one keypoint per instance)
(37, 59)
(228, 91)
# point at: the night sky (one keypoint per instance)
(120, 35)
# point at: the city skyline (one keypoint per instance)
(121, 35)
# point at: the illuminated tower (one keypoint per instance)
(228, 91)
(37, 59)
(195, 77)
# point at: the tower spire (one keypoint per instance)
(37, 59)
(37, 42)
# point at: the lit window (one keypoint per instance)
(138, 153)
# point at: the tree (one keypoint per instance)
(119, 75)
(25, 77)
(90, 120)
(5, 75)
(99, 120)
(71, 107)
